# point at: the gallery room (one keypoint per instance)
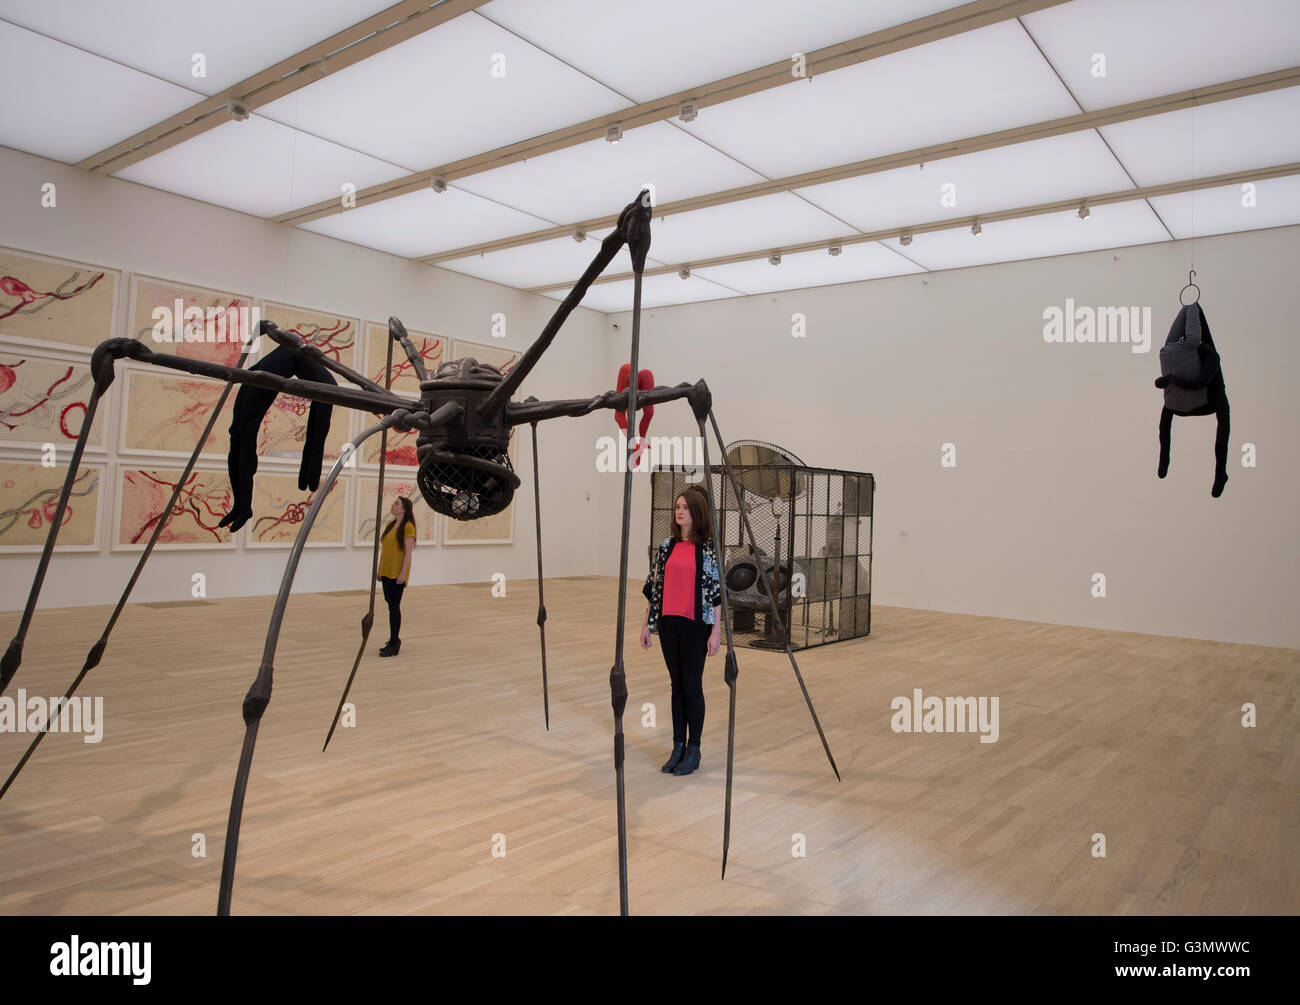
(582, 457)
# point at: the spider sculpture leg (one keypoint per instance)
(771, 593)
(397, 333)
(730, 670)
(617, 678)
(259, 694)
(632, 229)
(101, 364)
(541, 598)
(13, 655)
(97, 650)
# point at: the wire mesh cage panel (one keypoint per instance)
(811, 548)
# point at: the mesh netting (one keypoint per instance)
(465, 492)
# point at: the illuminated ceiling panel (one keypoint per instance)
(532, 265)
(1110, 52)
(656, 291)
(1274, 202)
(236, 38)
(425, 222)
(975, 83)
(1251, 132)
(1113, 226)
(647, 52)
(66, 104)
(434, 98)
(259, 167)
(598, 178)
(768, 222)
(854, 263)
(1060, 167)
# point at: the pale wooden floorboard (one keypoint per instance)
(1136, 737)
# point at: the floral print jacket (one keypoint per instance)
(708, 586)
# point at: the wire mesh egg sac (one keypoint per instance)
(465, 492)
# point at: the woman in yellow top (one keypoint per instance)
(395, 567)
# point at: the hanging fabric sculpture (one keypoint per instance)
(644, 381)
(1192, 377)
(251, 405)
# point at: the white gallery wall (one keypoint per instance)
(1055, 445)
(109, 222)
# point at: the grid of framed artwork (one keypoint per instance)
(53, 312)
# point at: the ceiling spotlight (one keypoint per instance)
(688, 111)
(835, 249)
(438, 184)
(1084, 212)
(579, 236)
(976, 229)
(685, 273)
(774, 259)
(238, 112)
(905, 238)
(613, 133)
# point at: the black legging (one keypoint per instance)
(686, 646)
(1221, 411)
(393, 595)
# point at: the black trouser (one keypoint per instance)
(393, 595)
(1221, 411)
(686, 645)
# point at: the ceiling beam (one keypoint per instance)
(1060, 206)
(345, 48)
(921, 155)
(944, 24)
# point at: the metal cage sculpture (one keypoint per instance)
(464, 416)
(818, 520)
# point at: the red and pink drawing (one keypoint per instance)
(204, 499)
(44, 400)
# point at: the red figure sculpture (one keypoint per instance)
(644, 381)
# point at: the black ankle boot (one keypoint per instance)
(391, 648)
(690, 760)
(678, 750)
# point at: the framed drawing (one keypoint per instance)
(364, 522)
(190, 321)
(142, 493)
(334, 335)
(29, 496)
(280, 507)
(498, 529)
(50, 301)
(44, 397)
(401, 446)
(164, 414)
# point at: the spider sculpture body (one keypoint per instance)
(464, 416)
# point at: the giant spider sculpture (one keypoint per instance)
(464, 416)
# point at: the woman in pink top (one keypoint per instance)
(685, 594)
